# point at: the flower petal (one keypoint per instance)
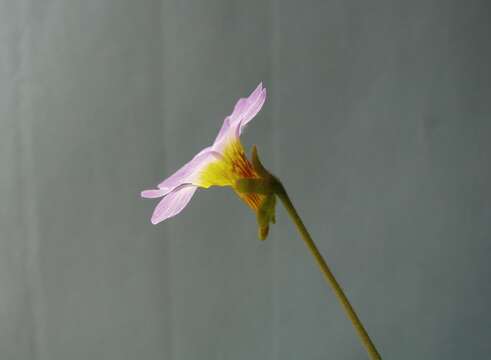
(244, 111)
(173, 203)
(187, 173)
(226, 126)
(152, 194)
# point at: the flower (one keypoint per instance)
(221, 164)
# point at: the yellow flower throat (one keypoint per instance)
(225, 171)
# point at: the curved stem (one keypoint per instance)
(362, 333)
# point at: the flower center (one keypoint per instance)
(232, 166)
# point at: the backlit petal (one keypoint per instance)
(244, 111)
(186, 174)
(152, 194)
(254, 104)
(173, 203)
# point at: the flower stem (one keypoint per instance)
(350, 312)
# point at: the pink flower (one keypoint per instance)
(221, 164)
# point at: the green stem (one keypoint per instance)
(362, 333)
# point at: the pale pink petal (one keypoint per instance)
(239, 106)
(173, 203)
(187, 173)
(223, 130)
(152, 194)
(244, 111)
(253, 107)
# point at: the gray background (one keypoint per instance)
(378, 122)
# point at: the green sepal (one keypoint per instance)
(254, 186)
(266, 215)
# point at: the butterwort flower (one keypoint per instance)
(224, 163)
